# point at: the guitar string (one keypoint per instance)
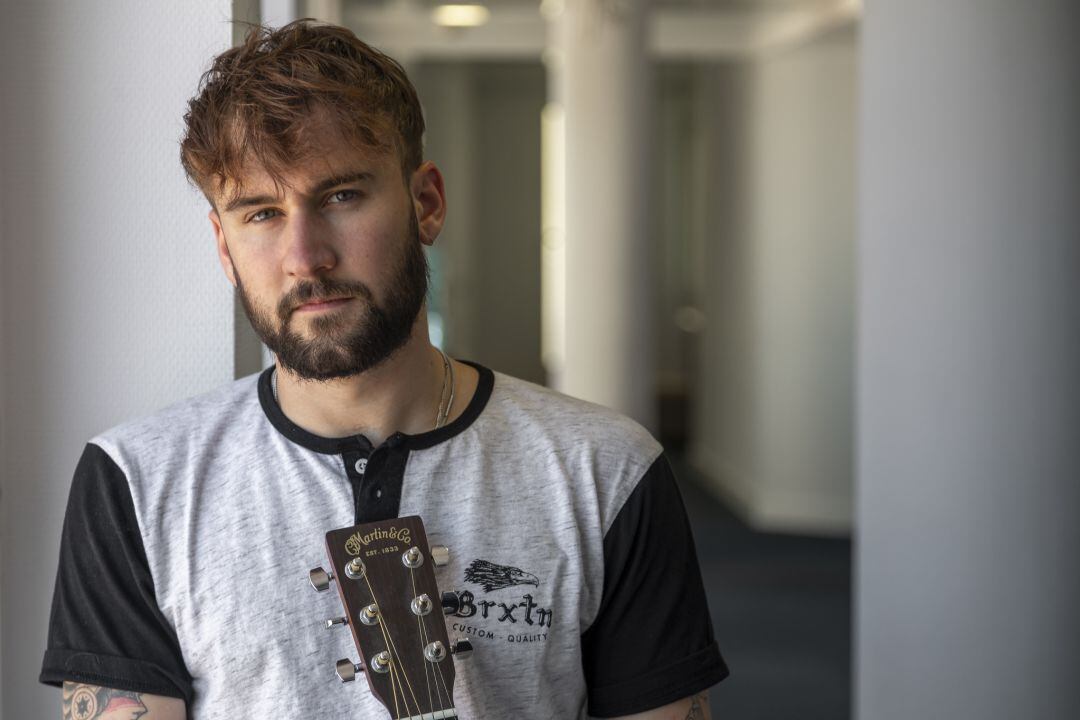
(423, 643)
(395, 682)
(395, 673)
(440, 691)
(396, 685)
(388, 638)
(382, 631)
(402, 673)
(397, 668)
(443, 691)
(437, 671)
(394, 692)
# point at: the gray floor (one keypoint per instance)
(781, 608)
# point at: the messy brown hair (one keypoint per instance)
(256, 100)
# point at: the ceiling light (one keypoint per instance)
(460, 15)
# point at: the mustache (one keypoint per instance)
(319, 290)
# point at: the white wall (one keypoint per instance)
(774, 416)
(969, 362)
(113, 304)
(447, 93)
(483, 124)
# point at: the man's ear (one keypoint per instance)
(222, 248)
(429, 201)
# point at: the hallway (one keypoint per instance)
(781, 609)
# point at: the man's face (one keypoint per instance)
(329, 268)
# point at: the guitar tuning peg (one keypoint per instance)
(320, 579)
(461, 649)
(451, 603)
(421, 605)
(354, 569)
(435, 652)
(346, 670)
(334, 622)
(440, 555)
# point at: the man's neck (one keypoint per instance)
(402, 394)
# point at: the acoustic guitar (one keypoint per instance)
(385, 576)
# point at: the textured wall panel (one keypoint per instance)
(113, 301)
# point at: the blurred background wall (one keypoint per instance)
(773, 421)
(112, 302)
(484, 132)
(746, 310)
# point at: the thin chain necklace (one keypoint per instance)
(442, 411)
(442, 414)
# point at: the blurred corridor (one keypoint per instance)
(781, 608)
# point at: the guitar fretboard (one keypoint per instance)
(450, 714)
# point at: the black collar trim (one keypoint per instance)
(354, 443)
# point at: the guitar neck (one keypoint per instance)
(450, 714)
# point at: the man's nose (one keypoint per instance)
(308, 248)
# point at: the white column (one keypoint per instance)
(606, 86)
(968, 575)
(328, 11)
(275, 13)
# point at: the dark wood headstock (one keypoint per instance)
(386, 580)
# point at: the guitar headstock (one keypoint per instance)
(385, 573)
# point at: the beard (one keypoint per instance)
(342, 347)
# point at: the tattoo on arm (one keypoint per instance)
(699, 708)
(90, 702)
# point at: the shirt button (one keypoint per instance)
(361, 465)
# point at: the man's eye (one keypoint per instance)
(262, 215)
(342, 196)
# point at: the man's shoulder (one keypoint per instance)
(190, 421)
(599, 454)
(527, 407)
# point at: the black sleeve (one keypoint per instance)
(105, 627)
(652, 641)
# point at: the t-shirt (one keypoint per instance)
(189, 536)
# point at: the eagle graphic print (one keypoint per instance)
(506, 610)
(490, 576)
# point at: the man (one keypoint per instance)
(181, 583)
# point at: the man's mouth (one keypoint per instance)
(321, 304)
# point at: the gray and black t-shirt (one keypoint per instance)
(188, 537)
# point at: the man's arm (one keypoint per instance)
(91, 702)
(691, 708)
(106, 628)
(651, 644)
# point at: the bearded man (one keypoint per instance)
(181, 583)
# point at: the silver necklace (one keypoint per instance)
(442, 412)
